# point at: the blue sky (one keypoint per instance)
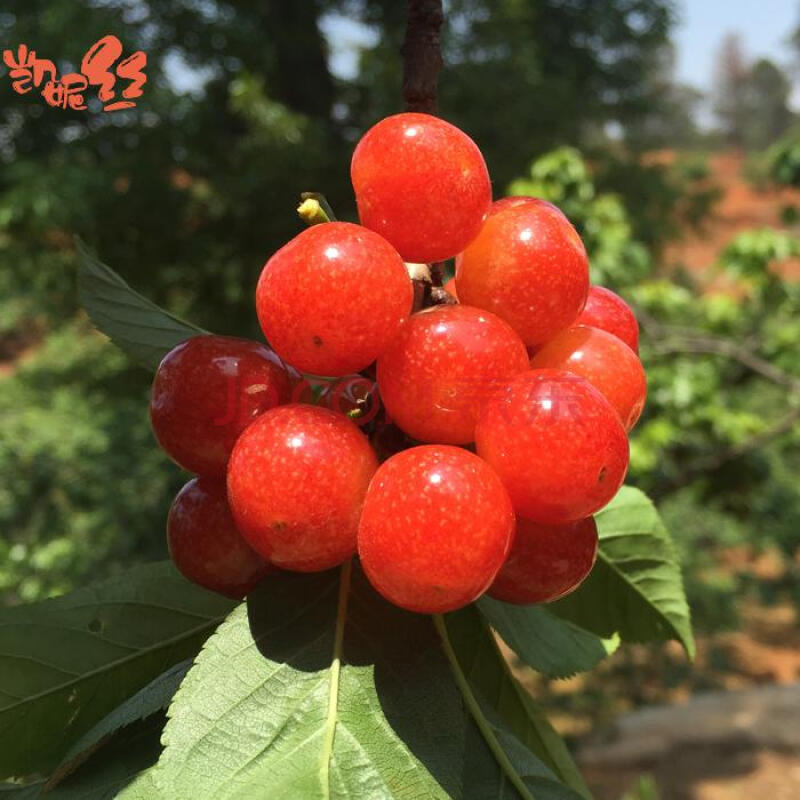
(764, 26)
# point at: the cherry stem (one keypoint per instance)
(441, 297)
(422, 63)
(437, 273)
(315, 209)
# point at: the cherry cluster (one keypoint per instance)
(511, 403)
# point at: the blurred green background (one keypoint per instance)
(686, 200)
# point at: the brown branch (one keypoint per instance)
(422, 62)
(690, 472)
(422, 55)
(783, 425)
(441, 297)
(710, 345)
(672, 340)
(437, 273)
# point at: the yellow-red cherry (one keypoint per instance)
(333, 298)
(606, 310)
(436, 527)
(296, 482)
(422, 183)
(605, 361)
(557, 444)
(528, 266)
(443, 363)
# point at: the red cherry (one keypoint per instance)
(423, 184)
(608, 311)
(296, 482)
(206, 391)
(205, 544)
(436, 527)
(546, 561)
(515, 200)
(557, 444)
(528, 266)
(605, 361)
(441, 365)
(332, 299)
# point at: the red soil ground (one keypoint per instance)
(742, 207)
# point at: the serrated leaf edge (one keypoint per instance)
(610, 645)
(92, 268)
(688, 643)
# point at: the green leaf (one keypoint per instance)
(553, 646)
(485, 781)
(15, 791)
(155, 697)
(135, 324)
(635, 588)
(318, 689)
(67, 662)
(142, 787)
(490, 678)
(284, 700)
(121, 768)
(117, 766)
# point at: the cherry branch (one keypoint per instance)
(690, 472)
(784, 425)
(712, 345)
(422, 55)
(673, 340)
(422, 63)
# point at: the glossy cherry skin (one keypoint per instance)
(515, 200)
(556, 443)
(205, 545)
(441, 366)
(608, 311)
(333, 298)
(436, 527)
(546, 561)
(605, 361)
(528, 266)
(296, 482)
(422, 184)
(206, 391)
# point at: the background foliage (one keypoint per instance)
(187, 195)
(315, 686)
(718, 442)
